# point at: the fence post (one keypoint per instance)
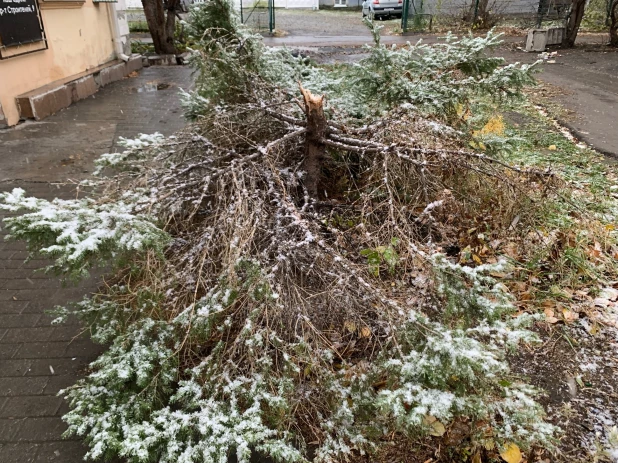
(404, 15)
(476, 11)
(610, 5)
(271, 15)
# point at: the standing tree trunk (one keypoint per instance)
(573, 22)
(314, 147)
(613, 25)
(161, 19)
(480, 15)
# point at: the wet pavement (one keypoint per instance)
(588, 77)
(65, 145)
(36, 358)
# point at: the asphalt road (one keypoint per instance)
(589, 78)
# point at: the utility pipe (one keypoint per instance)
(116, 37)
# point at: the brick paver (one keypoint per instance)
(36, 358)
(64, 146)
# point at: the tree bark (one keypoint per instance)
(482, 15)
(613, 25)
(172, 7)
(314, 148)
(573, 22)
(161, 28)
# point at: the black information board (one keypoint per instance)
(19, 22)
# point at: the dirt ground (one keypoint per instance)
(576, 367)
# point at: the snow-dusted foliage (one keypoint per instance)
(433, 353)
(80, 233)
(134, 147)
(144, 400)
(280, 322)
(440, 78)
(437, 79)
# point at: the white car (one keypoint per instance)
(382, 8)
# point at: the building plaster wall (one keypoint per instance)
(79, 37)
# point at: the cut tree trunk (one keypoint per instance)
(573, 23)
(315, 150)
(613, 25)
(161, 19)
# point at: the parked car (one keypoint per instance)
(382, 8)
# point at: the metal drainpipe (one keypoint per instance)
(113, 19)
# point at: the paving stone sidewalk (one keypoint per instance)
(36, 358)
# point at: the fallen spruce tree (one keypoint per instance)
(283, 281)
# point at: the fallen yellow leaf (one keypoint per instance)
(569, 316)
(489, 444)
(495, 126)
(511, 454)
(435, 427)
(526, 296)
(520, 286)
(350, 326)
(550, 316)
(552, 148)
(365, 332)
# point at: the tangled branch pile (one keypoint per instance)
(281, 282)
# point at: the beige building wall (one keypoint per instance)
(79, 36)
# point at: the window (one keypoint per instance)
(21, 29)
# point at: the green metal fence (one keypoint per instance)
(259, 15)
(414, 17)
